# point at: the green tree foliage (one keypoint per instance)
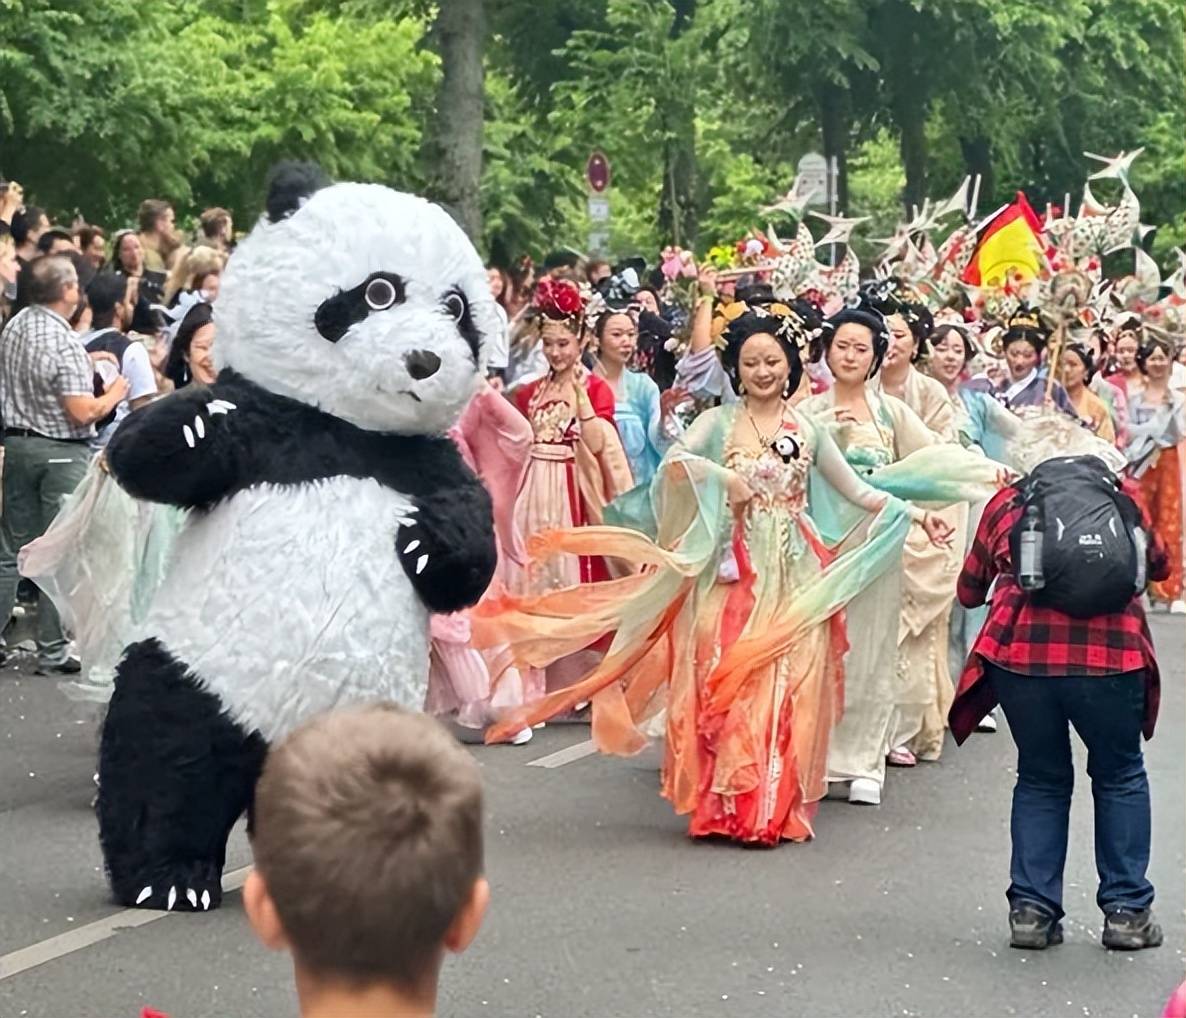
(703, 106)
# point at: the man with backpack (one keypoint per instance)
(1066, 644)
(107, 295)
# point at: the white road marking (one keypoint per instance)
(93, 933)
(565, 756)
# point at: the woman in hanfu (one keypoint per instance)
(467, 686)
(1156, 432)
(737, 615)
(1076, 371)
(878, 435)
(642, 414)
(1024, 344)
(925, 684)
(577, 464)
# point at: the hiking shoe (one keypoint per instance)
(1130, 930)
(1032, 928)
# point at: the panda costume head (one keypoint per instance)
(375, 305)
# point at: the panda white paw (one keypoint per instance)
(194, 433)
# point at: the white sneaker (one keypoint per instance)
(988, 723)
(523, 737)
(865, 792)
(1178, 607)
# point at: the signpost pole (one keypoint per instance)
(597, 177)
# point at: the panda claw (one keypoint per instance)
(189, 435)
(145, 893)
(219, 406)
(205, 901)
(403, 521)
(172, 899)
(412, 546)
(192, 895)
(421, 562)
(199, 426)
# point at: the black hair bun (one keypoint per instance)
(290, 185)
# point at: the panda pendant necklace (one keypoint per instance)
(783, 446)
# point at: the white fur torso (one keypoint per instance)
(286, 601)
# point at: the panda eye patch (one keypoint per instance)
(456, 304)
(378, 292)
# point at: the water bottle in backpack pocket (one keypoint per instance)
(1078, 546)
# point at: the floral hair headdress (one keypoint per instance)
(559, 302)
(1025, 319)
(786, 323)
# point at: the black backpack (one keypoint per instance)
(1090, 551)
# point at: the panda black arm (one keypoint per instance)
(179, 450)
(446, 545)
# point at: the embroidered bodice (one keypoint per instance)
(775, 484)
(867, 446)
(554, 423)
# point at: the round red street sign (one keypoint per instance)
(597, 172)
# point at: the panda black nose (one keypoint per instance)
(422, 364)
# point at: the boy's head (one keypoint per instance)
(367, 835)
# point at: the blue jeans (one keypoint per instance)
(1107, 712)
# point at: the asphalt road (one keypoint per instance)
(603, 907)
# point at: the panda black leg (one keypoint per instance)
(175, 774)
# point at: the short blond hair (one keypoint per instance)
(194, 264)
(367, 830)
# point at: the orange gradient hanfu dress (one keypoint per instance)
(734, 627)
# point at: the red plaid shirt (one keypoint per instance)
(1029, 639)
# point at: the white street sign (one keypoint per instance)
(812, 179)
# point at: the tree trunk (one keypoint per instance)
(977, 152)
(677, 202)
(834, 133)
(454, 148)
(912, 145)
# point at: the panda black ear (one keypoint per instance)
(290, 184)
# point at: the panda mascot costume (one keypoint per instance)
(328, 516)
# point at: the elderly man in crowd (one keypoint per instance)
(48, 407)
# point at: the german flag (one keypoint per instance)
(1009, 247)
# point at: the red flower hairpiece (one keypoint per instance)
(558, 299)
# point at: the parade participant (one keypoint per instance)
(982, 424)
(1156, 430)
(641, 412)
(577, 464)
(367, 839)
(1076, 372)
(1050, 670)
(1129, 339)
(925, 687)
(465, 685)
(854, 346)
(1024, 343)
(326, 502)
(873, 430)
(1100, 347)
(735, 622)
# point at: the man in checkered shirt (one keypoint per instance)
(48, 408)
(1052, 672)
